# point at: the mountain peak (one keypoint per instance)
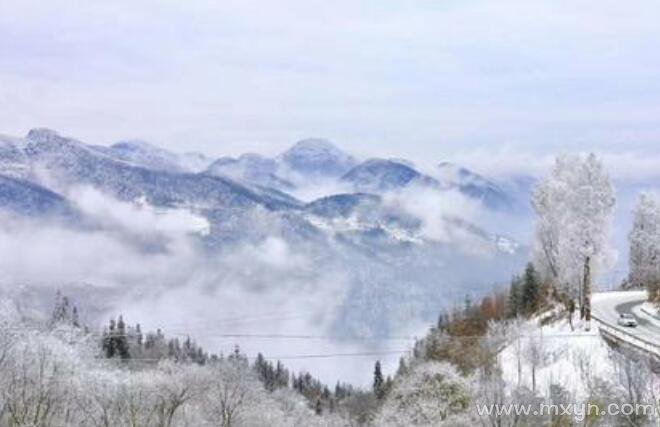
(449, 166)
(135, 144)
(314, 144)
(474, 185)
(317, 156)
(42, 134)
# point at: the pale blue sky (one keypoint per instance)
(496, 84)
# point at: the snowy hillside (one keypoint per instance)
(142, 153)
(380, 175)
(476, 186)
(252, 168)
(13, 161)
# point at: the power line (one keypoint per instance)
(294, 356)
(302, 337)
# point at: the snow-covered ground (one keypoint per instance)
(557, 354)
(554, 354)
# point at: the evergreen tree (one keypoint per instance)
(468, 306)
(515, 297)
(339, 391)
(379, 382)
(403, 369)
(443, 320)
(110, 347)
(138, 332)
(122, 339)
(281, 375)
(106, 344)
(530, 290)
(75, 317)
(389, 383)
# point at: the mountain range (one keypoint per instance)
(396, 250)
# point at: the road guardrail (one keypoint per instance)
(628, 337)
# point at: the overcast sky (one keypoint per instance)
(496, 84)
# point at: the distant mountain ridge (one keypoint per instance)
(475, 186)
(381, 175)
(246, 200)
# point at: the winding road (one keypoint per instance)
(607, 306)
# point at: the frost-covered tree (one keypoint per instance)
(432, 393)
(230, 392)
(64, 313)
(51, 378)
(645, 245)
(34, 391)
(574, 206)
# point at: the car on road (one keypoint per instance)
(627, 319)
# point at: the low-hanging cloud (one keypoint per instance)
(120, 244)
(151, 265)
(438, 212)
(505, 161)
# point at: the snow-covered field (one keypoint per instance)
(555, 354)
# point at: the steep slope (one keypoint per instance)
(379, 175)
(475, 186)
(342, 205)
(25, 198)
(141, 153)
(73, 162)
(13, 161)
(193, 161)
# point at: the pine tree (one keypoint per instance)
(379, 382)
(403, 369)
(111, 348)
(443, 320)
(515, 297)
(106, 344)
(530, 290)
(75, 317)
(468, 306)
(138, 332)
(339, 391)
(281, 375)
(121, 339)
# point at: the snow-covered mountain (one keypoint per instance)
(142, 153)
(308, 162)
(475, 186)
(252, 168)
(382, 247)
(72, 162)
(381, 175)
(13, 161)
(29, 199)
